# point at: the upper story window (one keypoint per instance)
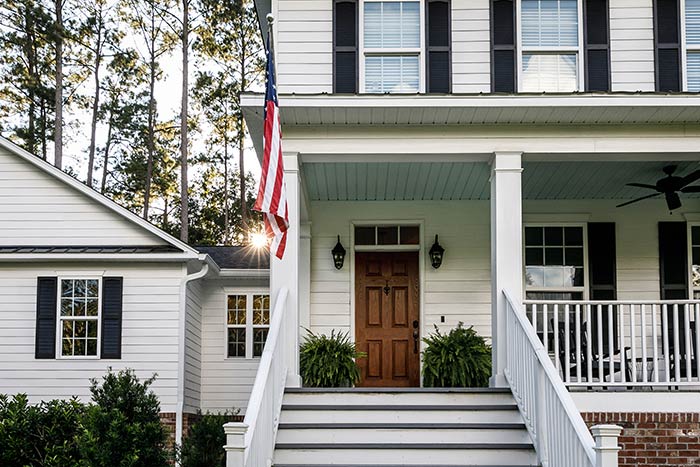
(391, 46)
(550, 46)
(79, 314)
(692, 45)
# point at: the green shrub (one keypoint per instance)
(39, 435)
(329, 361)
(204, 444)
(458, 359)
(122, 428)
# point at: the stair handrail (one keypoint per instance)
(543, 401)
(252, 442)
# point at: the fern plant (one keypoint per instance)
(329, 361)
(460, 358)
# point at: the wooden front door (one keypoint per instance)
(387, 323)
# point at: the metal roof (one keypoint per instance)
(73, 249)
(237, 257)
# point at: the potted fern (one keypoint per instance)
(460, 358)
(328, 361)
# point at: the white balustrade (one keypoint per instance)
(620, 343)
(252, 442)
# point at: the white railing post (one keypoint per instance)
(606, 446)
(235, 443)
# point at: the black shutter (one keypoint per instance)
(345, 46)
(602, 276)
(667, 45)
(46, 297)
(438, 42)
(673, 260)
(112, 291)
(503, 61)
(597, 45)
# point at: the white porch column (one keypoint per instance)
(305, 277)
(506, 250)
(285, 272)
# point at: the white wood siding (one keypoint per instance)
(632, 45)
(304, 46)
(471, 46)
(226, 382)
(149, 333)
(38, 209)
(193, 347)
(460, 289)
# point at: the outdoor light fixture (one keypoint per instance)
(436, 253)
(338, 253)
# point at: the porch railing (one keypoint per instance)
(620, 343)
(252, 442)
(559, 433)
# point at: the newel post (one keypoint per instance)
(606, 446)
(235, 443)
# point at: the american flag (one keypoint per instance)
(272, 194)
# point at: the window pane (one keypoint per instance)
(236, 309)
(549, 72)
(534, 236)
(80, 288)
(573, 236)
(67, 347)
(387, 235)
(695, 235)
(92, 288)
(694, 71)
(364, 236)
(91, 307)
(553, 236)
(549, 23)
(391, 73)
(80, 328)
(67, 329)
(92, 347)
(79, 347)
(236, 342)
(392, 25)
(534, 276)
(259, 337)
(92, 329)
(410, 235)
(66, 288)
(66, 307)
(692, 21)
(574, 257)
(261, 309)
(534, 256)
(79, 307)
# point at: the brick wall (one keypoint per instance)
(653, 439)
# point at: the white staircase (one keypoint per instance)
(412, 427)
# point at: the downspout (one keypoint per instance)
(179, 415)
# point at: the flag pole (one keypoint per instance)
(271, 40)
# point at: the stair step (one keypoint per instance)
(377, 455)
(397, 398)
(334, 415)
(412, 465)
(390, 436)
(405, 426)
(412, 408)
(404, 446)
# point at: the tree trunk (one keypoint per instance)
(227, 221)
(44, 124)
(105, 158)
(58, 99)
(30, 53)
(95, 104)
(184, 195)
(150, 137)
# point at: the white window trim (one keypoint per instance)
(249, 293)
(60, 319)
(420, 51)
(685, 48)
(579, 50)
(582, 289)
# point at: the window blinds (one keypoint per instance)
(391, 73)
(549, 23)
(549, 72)
(391, 25)
(692, 39)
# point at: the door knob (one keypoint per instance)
(415, 339)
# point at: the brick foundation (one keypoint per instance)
(169, 420)
(652, 439)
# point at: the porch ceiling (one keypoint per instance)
(470, 181)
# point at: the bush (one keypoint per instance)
(204, 444)
(458, 359)
(39, 435)
(123, 428)
(329, 361)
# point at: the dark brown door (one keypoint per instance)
(386, 318)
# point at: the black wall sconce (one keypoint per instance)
(338, 253)
(436, 253)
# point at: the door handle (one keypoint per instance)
(415, 339)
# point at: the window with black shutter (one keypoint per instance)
(438, 42)
(503, 61)
(602, 279)
(345, 46)
(112, 304)
(46, 296)
(597, 45)
(667, 45)
(673, 260)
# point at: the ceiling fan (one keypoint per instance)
(669, 186)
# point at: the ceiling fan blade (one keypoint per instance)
(673, 201)
(638, 199)
(691, 189)
(642, 185)
(690, 178)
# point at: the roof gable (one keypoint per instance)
(41, 205)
